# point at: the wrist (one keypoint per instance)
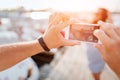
(43, 44)
(38, 46)
(48, 42)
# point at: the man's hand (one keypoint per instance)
(53, 37)
(109, 35)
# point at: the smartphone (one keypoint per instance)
(82, 32)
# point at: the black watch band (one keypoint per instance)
(42, 43)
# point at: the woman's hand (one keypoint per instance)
(109, 35)
(53, 37)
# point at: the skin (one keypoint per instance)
(109, 35)
(11, 54)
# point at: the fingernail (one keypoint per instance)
(96, 31)
(100, 22)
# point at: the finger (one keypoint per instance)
(65, 17)
(71, 42)
(109, 30)
(61, 26)
(74, 20)
(105, 55)
(100, 47)
(63, 33)
(58, 17)
(53, 19)
(102, 51)
(62, 18)
(102, 36)
(100, 22)
(117, 30)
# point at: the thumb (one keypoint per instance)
(71, 42)
(61, 26)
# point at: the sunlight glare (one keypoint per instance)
(39, 15)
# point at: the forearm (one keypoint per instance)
(11, 54)
(14, 53)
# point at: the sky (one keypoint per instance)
(71, 5)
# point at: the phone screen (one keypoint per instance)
(83, 32)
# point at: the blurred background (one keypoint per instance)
(25, 20)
